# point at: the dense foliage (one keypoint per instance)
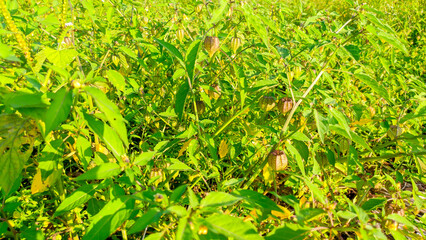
(212, 120)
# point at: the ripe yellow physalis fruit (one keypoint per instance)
(211, 44)
(277, 160)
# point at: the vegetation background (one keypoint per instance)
(212, 120)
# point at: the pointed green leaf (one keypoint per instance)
(144, 158)
(219, 13)
(341, 119)
(232, 227)
(129, 52)
(321, 127)
(60, 58)
(172, 49)
(191, 57)
(151, 216)
(102, 171)
(117, 80)
(373, 84)
(106, 134)
(181, 98)
(18, 100)
(291, 231)
(13, 155)
(111, 111)
(77, 198)
(318, 194)
(110, 217)
(58, 111)
(218, 199)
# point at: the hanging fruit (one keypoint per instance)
(267, 103)
(180, 35)
(285, 105)
(277, 160)
(211, 44)
(235, 44)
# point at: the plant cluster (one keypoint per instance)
(212, 120)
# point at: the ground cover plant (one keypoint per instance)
(212, 120)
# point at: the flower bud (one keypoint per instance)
(285, 105)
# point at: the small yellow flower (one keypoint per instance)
(202, 230)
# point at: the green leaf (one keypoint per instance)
(129, 52)
(231, 227)
(77, 198)
(307, 214)
(391, 39)
(321, 127)
(58, 110)
(144, 158)
(111, 111)
(373, 203)
(178, 166)
(218, 199)
(257, 200)
(257, 24)
(373, 84)
(353, 50)
(401, 219)
(110, 217)
(102, 171)
(60, 58)
(183, 231)
(117, 80)
(7, 53)
(107, 134)
(219, 13)
(172, 49)
(318, 194)
(19, 100)
(16, 146)
(291, 231)
(191, 57)
(193, 200)
(181, 98)
(296, 155)
(177, 193)
(151, 216)
(356, 138)
(341, 119)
